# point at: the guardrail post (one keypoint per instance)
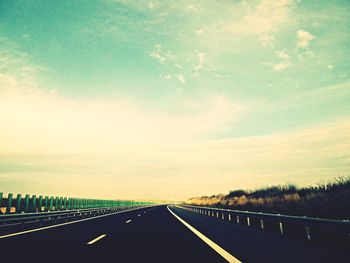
(223, 216)
(26, 203)
(248, 221)
(237, 219)
(308, 233)
(281, 228)
(229, 217)
(40, 203)
(262, 224)
(18, 203)
(9, 203)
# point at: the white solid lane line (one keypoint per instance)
(95, 240)
(127, 222)
(222, 252)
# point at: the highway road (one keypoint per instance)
(159, 234)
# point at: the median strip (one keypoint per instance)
(222, 252)
(96, 239)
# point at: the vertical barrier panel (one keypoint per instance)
(26, 203)
(60, 206)
(46, 203)
(9, 203)
(51, 203)
(1, 194)
(1, 200)
(40, 203)
(33, 204)
(18, 203)
(65, 203)
(56, 204)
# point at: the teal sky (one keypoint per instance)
(171, 99)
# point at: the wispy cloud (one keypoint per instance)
(304, 38)
(264, 21)
(280, 66)
(285, 63)
(16, 68)
(159, 54)
(181, 78)
(201, 60)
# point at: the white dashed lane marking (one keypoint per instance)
(96, 239)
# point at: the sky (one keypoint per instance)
(172, 99)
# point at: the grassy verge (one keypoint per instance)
(331, 200)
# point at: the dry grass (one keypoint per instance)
(329, 200)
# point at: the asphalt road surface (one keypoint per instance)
(160, 234)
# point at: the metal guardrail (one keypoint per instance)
(308, 228)
(34, 203)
